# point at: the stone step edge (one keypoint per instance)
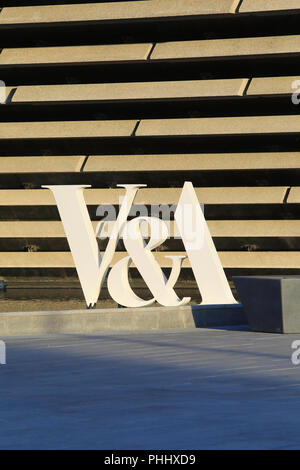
(120, 319)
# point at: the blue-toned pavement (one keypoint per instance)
(171, 389)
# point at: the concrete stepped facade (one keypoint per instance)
(156, 92)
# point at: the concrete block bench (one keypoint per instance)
(271, 303)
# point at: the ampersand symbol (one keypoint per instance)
(141, 255)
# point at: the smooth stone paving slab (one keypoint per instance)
(179, 389)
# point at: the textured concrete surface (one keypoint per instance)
(268, 5)
(273, 86)
(220, 126)
(229, 259)
(95, 196)
(40, 164)
(227, 47)
(116, 319)
(271, 303)
(115, 11)
(192, 389)
(131, 91)
(65, 129)
(217, 228)
(73, 54)
(294, 196)
(196, 161)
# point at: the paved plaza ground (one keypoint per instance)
(174, 389)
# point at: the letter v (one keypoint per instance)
(91, 268)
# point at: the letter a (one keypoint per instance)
(201, 251)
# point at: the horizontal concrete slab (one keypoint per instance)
(219, 195)
(220, 126)
(90, 321)
(130, 91)
(115, 11)
(65, 129)
(294, 195)
(252, 6)
(218, 228)
(274, 85)
(200, 161)
(229, 259)
(227, 47)
(40, 164)
(254, 228)
(155, 90)
(75, 54)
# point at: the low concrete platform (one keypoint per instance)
(172, 389)
(91, 321)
